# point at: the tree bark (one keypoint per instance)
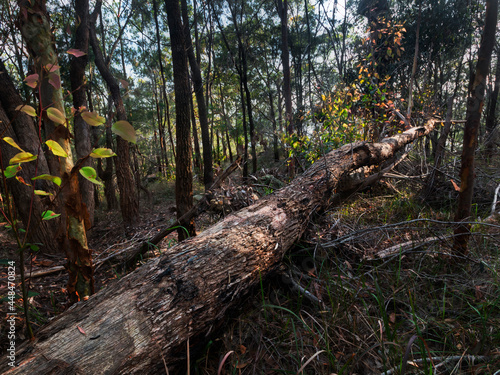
(183, 164)
(474, 110)
(34, 23)
(129, 203)
(287, 86)
(161, 124)
(20, 127)
(490, 117)
(78, 87)
(145, 318)
(197, 152)
(208, 174)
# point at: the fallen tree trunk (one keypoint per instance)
(141, 323)
(201, 206)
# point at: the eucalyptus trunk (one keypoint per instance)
(208, 175)
(129, 203)
(35, 27)
(474, 109)
(78, 88)
(183, 165)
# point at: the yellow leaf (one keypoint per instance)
(22, 157)
(56, 115)
(11, 142)
(29, 110)
(56, 148)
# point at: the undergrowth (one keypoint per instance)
(341, 306)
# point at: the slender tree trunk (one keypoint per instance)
(78, 87)
(129, 204)
(208, 175)
(106, 175)
(243, 71)
(490, 117)
(226, 122)
(245, 132)
(183, 168)
(275, 130)
(253, 138)
(414, 68)
(474, 109)
(35, 27)
(161, 157)
(285, 61)
(161, 126)
(197, 152)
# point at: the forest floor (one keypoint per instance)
(371, 288)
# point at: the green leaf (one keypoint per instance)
(92, 118)
(56, 148)
(90, 174)
(124, 130)
(102, 153)
(56, 115)
(11, 170)
(41, 192)
(11, 142)
(56, 180)
(48, 215)
(22, 157)
(29, 110)
(33, 247)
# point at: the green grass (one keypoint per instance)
(421, 307)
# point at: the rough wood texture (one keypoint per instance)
(186, 293)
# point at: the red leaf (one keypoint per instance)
(52, 67)
(55, 80)
(455, 186)
(32, 80)
(76, 52)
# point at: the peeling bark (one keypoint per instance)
(148, 315)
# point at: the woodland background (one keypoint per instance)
(118, 117)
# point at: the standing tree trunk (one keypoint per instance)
(36, 30)
(414, 67)
(161, 124)
(243, 72)
(474, 109)
(19, 126)
(129, 203)
(183, 168)
(106, 174)
(208, 174)
(140, 324)
(227, 122)
(490, 117)
(78, 88)
(285, 61)
(197, 152)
